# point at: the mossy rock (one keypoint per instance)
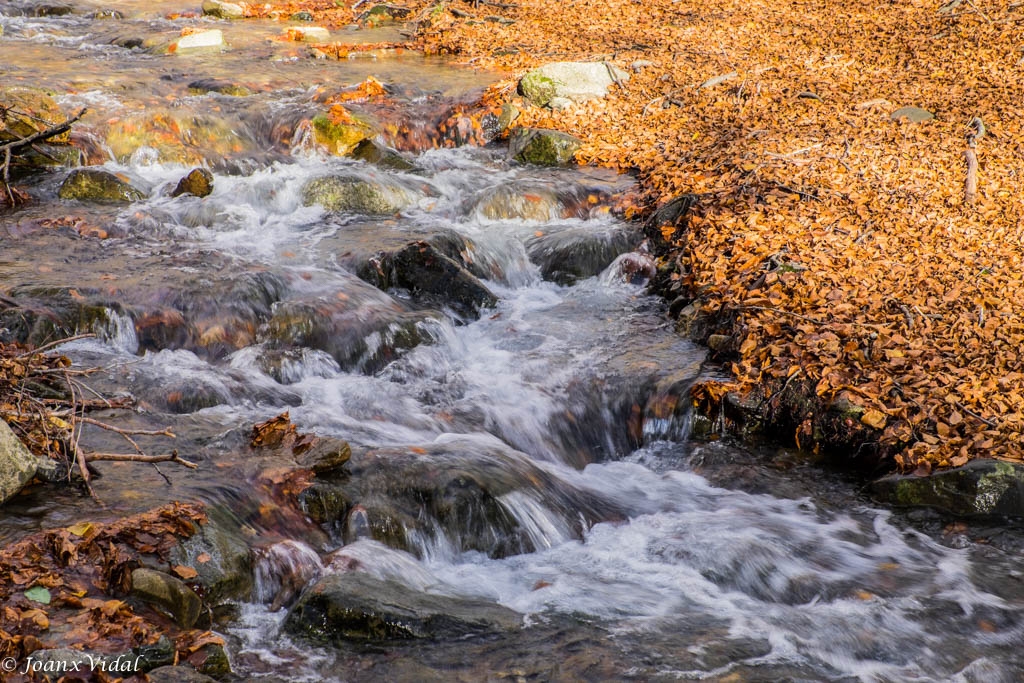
(537, 88)
(94, 185)
(981, 488)
(357, 195)
(543, 147)
(198, 182)
(28, 111)
(340, 137)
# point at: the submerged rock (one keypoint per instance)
(543, 147)
(578, 253)
(520, 202)
(979, 488)
(358, 195)
(572, 81)
(168, 593)
(17, 465)
(94, 185)
(356, 606)
(218, 86)
(198, 182)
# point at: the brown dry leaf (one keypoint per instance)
(874, 418)
(184, 572)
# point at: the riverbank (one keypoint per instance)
(831, 250)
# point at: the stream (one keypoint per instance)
(530, 451)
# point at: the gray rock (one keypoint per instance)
(198, 182)
(218, 86)
(381, 156)
(575, 81)
(168, 593)
(514, 201)
(226, 573)
(542, 147)
(326, 455)
(988, 488)
(223, 10)
(358, 195)
(17, 465)
(94, 185)
(355, 606)
(212, 39)
(912, 114)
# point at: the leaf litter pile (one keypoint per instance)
(855, 171)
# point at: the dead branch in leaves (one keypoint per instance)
(15, 146)
(51, 424)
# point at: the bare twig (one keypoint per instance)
(973, 414)
(138, 457)
(44, 347)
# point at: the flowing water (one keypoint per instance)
(537, 456)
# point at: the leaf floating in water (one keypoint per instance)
(38, 594)
(80, 529)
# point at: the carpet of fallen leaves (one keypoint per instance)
(60, 586)
(837, 239)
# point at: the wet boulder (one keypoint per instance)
(198, 183)
(339, 132)
(363, 331)
(381, 156)
(218, 551)
(542, 147)
(17, 465)
(981, 488)
(168, 593)
(574, 254)
(94, 185)
(432, 279)
(573, 81)
(178, 674)
(221, 87)
(176, 137)
(361, 195)
(356, 606)
(519, 202)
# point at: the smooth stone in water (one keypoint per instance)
(227, 572)
(203, 40)
(168, 593)
(578, 253)
(311, 34)
(28, 111)
(178, 674)
(221, 87)
(223, 10)
(356, 606)
(340, 134)
(381, 156)
(94, 185)
(543, 147)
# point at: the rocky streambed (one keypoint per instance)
(489, 467)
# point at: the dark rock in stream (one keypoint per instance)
(227, 573)
(434, 279)
(357, 330)
(381, 156)
(94, 185)
(169, 594)
(574, 254)
(178, 674)
(479, 495)
(989, 488)
(356, 606)
(221, 87)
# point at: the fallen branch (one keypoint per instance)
(136, 457)
(11, 147)
(976, 131)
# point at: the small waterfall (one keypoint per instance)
(282, 570)
(543, 527)
(117, 329)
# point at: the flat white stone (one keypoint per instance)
(203, 39)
